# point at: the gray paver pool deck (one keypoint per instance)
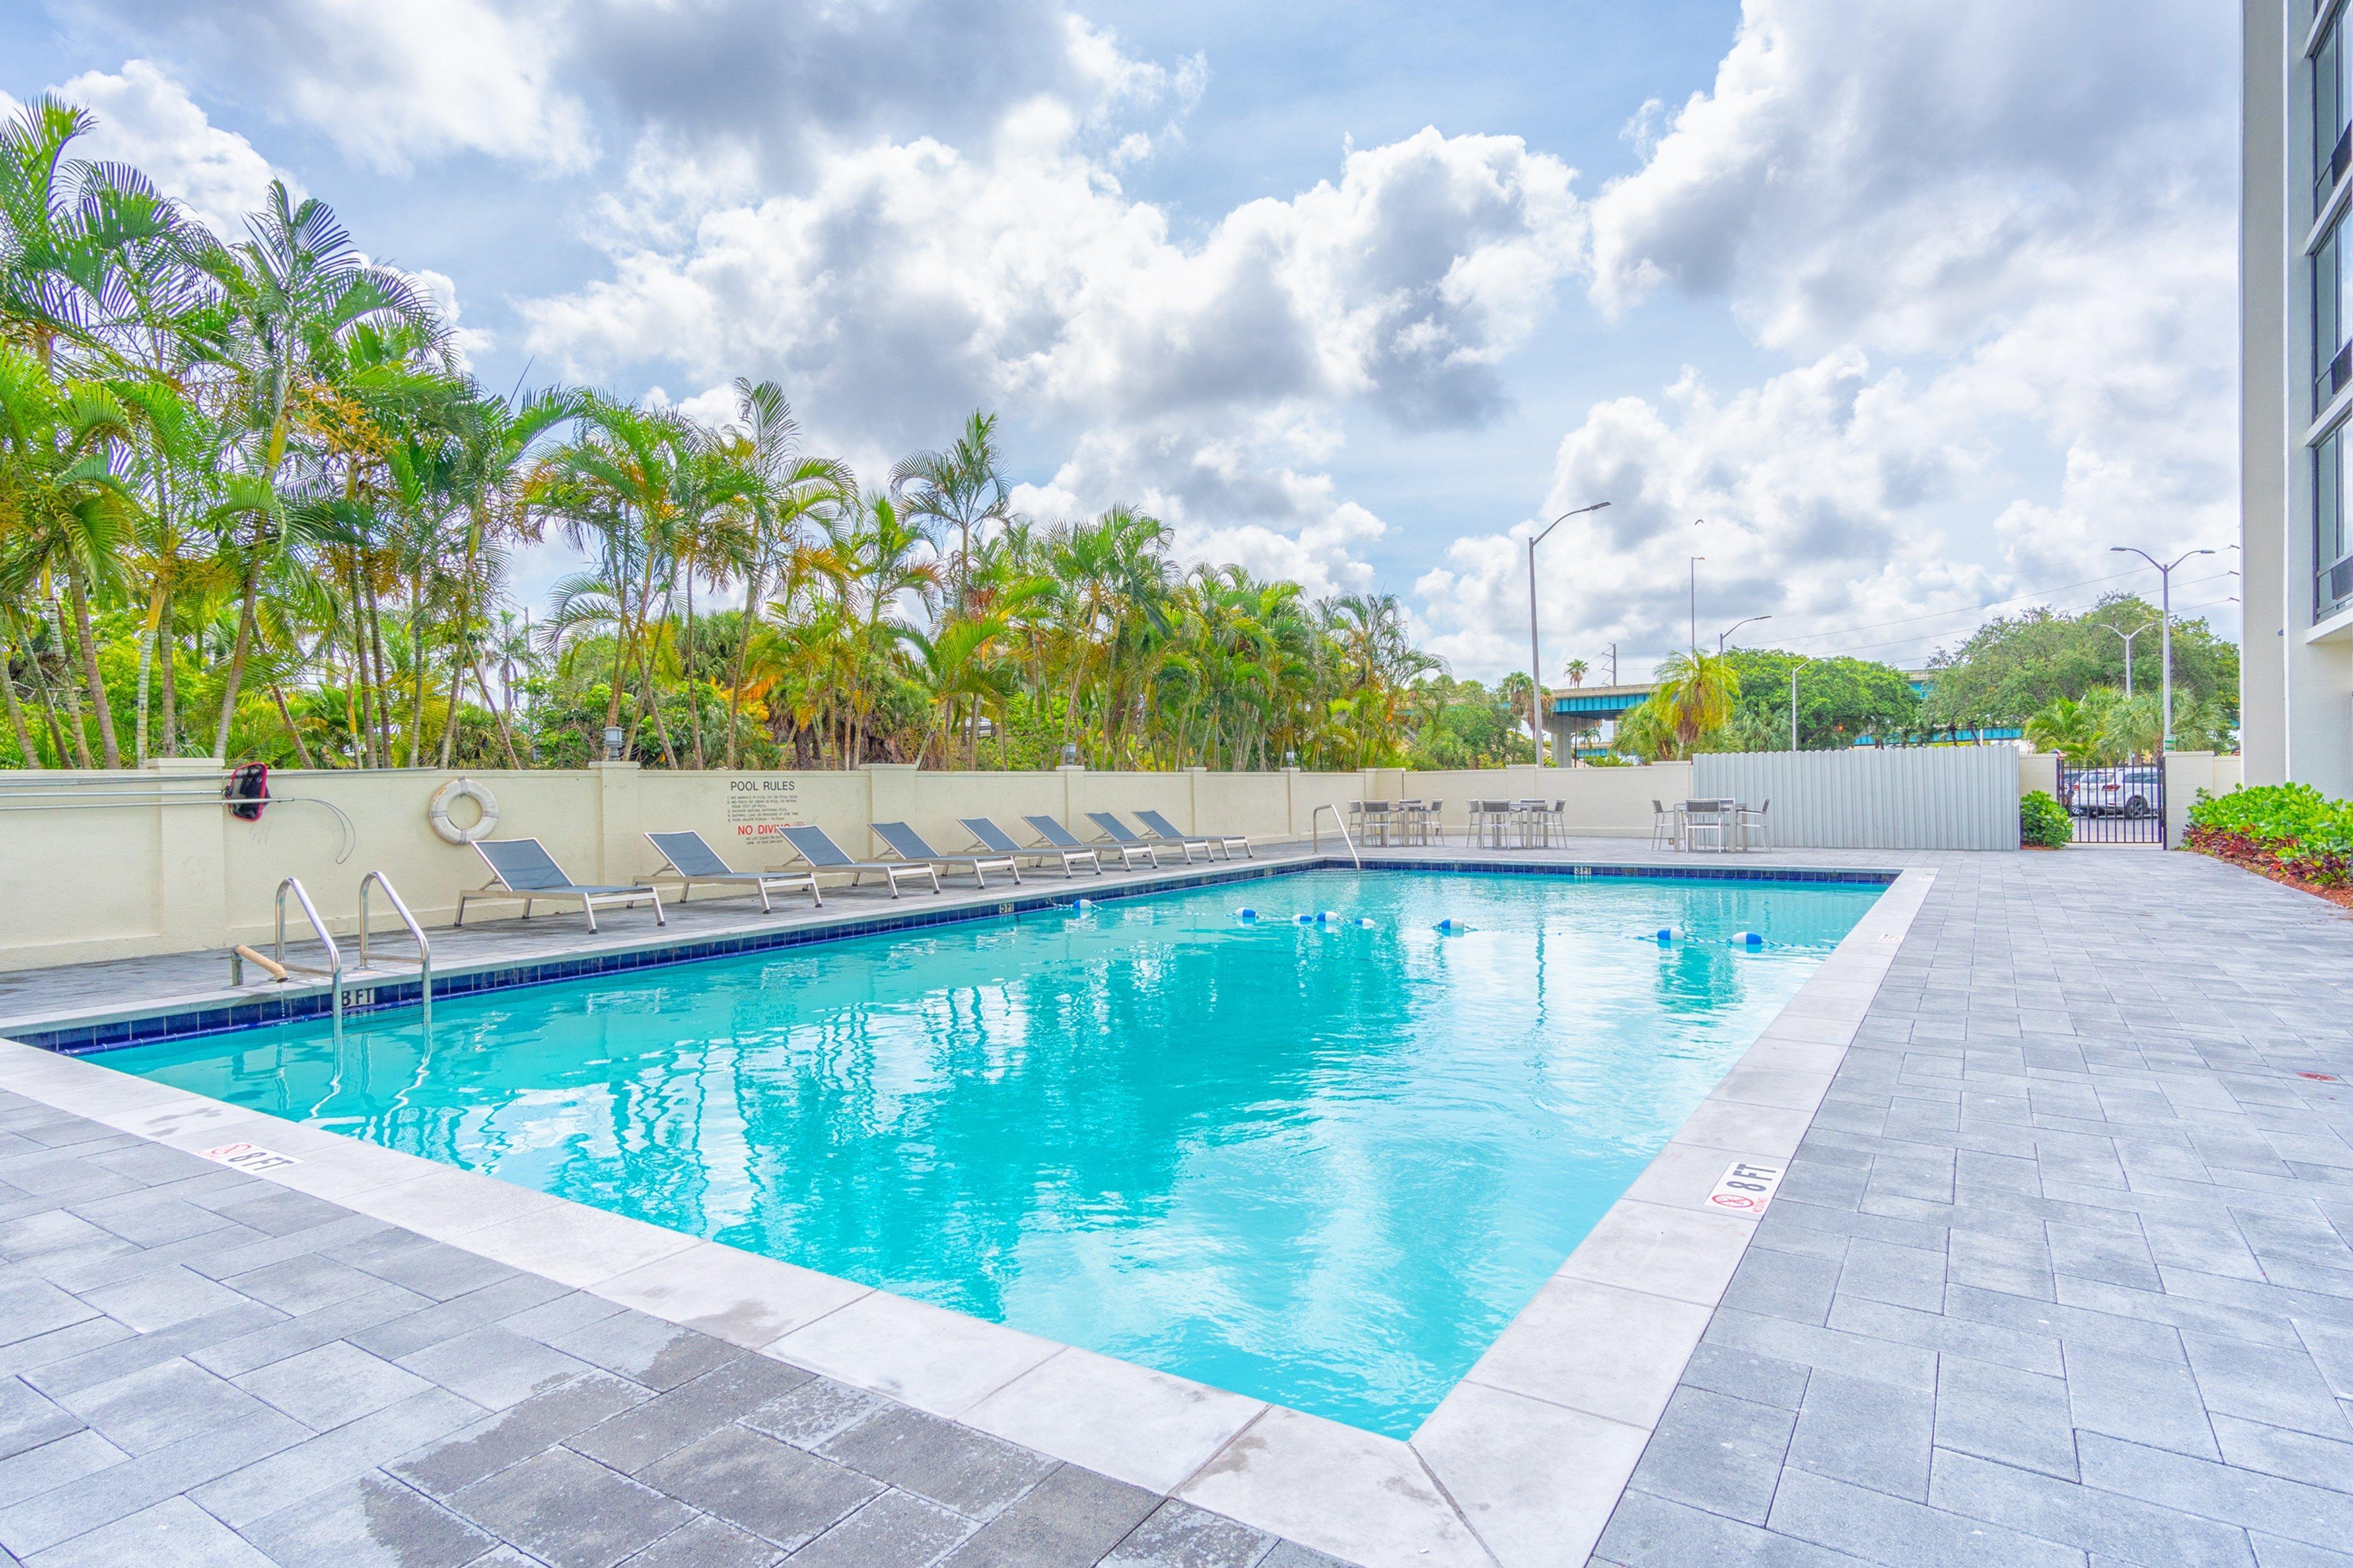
(2059, 1273)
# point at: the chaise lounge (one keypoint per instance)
(696, 864)
(1128, 838)
(1060, 837)
(522, 869)
(995, 839)
(1160, 827)
(911, 847)
(817, 846)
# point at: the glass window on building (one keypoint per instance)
(2332, 551)
(2332, 364)
(2332, 113)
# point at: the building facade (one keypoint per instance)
(2296, 304)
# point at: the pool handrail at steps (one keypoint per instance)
(333, 972)
(1315, 826)
(424, 949)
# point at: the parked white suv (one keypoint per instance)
(2119, 792)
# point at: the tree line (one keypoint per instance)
(253, 506)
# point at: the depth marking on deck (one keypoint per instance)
(249, 1157)
(1747, 1188)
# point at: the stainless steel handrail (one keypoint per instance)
(424, 948)
(1315, 827)
(333, 972)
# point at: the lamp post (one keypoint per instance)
(2128, 637)
(1734, 627)
(1801, 660)
(1694, 606)
(2165, 622)
(1536, 656)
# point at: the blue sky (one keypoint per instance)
(1921, 308)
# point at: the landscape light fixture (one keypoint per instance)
(2165, 622)
(1535, 658)
(1734, 627)
(612, 743)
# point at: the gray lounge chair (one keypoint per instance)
(1161, 828)
(1127, 838)
(696, 864)
(989, 837)
(909, 845)
(1059, 838)
(522, 869)
(817, 846)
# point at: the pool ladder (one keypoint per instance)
(281, 970)
(1315, 826)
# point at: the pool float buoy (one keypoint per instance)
(1747, 939)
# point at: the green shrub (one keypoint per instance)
(2042, 822)
(2290, 829)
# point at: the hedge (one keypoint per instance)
(2290, 830)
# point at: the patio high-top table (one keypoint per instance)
(1720, 817)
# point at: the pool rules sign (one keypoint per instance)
(1747, 1188)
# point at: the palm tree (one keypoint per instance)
(1695, 692)
(2068, 728)
(1575, 670)
(960, 486)
(291, 292)
(65, 508)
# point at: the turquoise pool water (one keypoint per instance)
(1318, 1165)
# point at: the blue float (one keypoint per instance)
(1747, 939)
(1246, 914)
(1303, 920)
(1366, 921)
(1449, 926)
(1666, 934)
(1084, 905)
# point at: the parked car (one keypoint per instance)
(2118, 792)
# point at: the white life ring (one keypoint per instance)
(438, 812)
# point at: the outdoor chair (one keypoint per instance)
(1161, 828)
(522, 869)
(1121, 834)
(696, 864)
(1059, 838)
(1713, 817)
(817, 846)
(995, 839)
(1752, 823)
(909, 845)
(1666, 825)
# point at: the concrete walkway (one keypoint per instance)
(2060, 1273)
(203, 1369)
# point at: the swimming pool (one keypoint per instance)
(1319, 1164)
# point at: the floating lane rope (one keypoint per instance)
(1747, 939)
(1666, 934)
(1449, 926)
(1366, 921)
(1246, 915)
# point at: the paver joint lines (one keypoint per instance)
(2061, 1273)
(199, 1367)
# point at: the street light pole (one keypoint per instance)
(1734, 627)
(1801, 660)
(2165, 621)
(1536, 656)
(2128, 637)
(1694, 606)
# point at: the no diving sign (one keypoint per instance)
(1747, 1188)
(249, 1157)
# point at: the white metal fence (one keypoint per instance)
(1924, 797)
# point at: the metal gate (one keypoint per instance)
(2124, 804)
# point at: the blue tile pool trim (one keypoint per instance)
(83, 1040)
